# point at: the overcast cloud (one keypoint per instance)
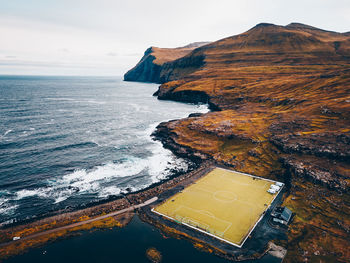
(107, 37)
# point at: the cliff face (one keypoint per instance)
(153, 65)
(146, 70)
(281, 110)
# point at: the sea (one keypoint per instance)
(126, 245)
(68, 142)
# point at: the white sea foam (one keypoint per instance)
(93, 180)
(7, 132)
(139, 107)
(130, 167)
(60, 99)
(6, 208)
(78, 101)
(41, 192)
(161, 159)
(95, 101)
(58, 193)
(3, 201)
(52, 121)
(60, 198)
(203, 108)
(90, 181)
(107, 191)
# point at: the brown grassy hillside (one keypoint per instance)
(281, 100)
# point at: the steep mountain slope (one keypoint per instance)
(268, 44)
(281, 101)
(150, 66)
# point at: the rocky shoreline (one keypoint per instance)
(167, 138)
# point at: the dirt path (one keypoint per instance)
(82, 222)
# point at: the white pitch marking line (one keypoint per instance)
(200, 230)
(257, 177)
(225, 201)
(212, 216)
(227, 228)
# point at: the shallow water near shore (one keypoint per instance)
(128, 244)
(72, 141)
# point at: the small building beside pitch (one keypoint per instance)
(281, 215)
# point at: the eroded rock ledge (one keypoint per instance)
(163, 133)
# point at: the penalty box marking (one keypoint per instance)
(234, 180)
(205, 213)
(200, 230)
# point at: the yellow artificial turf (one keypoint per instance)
(223, 203)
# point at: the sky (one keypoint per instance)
(108, 37)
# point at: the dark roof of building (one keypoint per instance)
(286, 214)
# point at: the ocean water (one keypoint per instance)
(128, 244)
(71, 141)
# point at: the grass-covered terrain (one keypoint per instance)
(281, 101)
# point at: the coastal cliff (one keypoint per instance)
(153, 65)
(280, 109)
(146, 70)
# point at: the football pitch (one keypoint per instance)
(224, 204)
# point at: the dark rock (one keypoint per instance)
(311, 171)
(192, 96)
(154, 255)
(164, 134)
(146, 70)
(253, 153)
(177, 66)
(331, 145)
(197, 114)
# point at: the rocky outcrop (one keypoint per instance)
(330, 145)
(191, 96)
(277, 251)
(319, 173)
(164, 134)
(154, 255)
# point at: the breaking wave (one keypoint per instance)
(75, 144)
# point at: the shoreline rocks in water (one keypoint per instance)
(154, 255)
